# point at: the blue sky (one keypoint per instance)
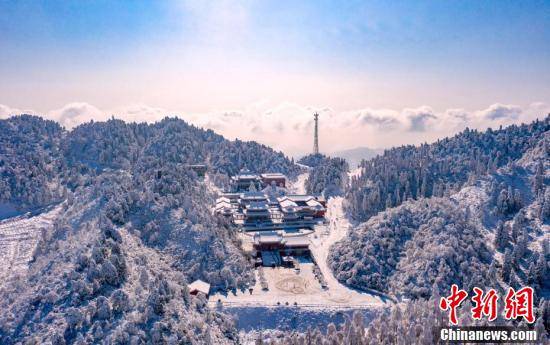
(202, 57)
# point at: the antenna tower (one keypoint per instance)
(316, 134)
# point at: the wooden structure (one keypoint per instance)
(276, 179)
(199, 287)
(245, 181)
(272, 249)
(199, 169)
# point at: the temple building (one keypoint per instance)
(272, 249)
(277, 179)
(246, 181)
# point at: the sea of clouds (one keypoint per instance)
(289, 127)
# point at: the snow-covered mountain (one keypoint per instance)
(438, 169)
(132, 227)
(327, 176)
(356, 155)
(471, 210)
(112, 224)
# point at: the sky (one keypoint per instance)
(380, 73)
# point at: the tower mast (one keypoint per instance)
(316, 134)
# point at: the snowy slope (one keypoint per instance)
(18, 239)
(424, 243)
(299, 187)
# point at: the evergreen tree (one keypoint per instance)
(507, 265)
(501, 237)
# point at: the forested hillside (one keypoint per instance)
(38, 158)
(413, 323)
(94, 283)
(412, 249)
(30, 163)
(119, 145)
(327, 176)
(439, 169)
(489, 227)
(135, 227)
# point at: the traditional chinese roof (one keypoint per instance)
(314, 204)
(223, 205)
(286, 203)
(273, 176)
(246, 176)
(231, 195)
(298, 198)
(257, 206)
(296, 242)
(222, 200)
(253, 196)
(271, 238)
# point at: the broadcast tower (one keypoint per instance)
(316, 134)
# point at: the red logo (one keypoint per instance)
(517, 304)
(485, 305)
(452, 302)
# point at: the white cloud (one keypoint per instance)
(289, 127)
(6, 111)
(501, 111)
(419, 118)
(75, 113)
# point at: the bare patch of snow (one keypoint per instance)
(355, 172)
(211, 186)
(18, 239)
(299, 186)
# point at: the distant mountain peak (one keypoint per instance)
(356, 155)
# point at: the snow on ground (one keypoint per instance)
(299, 186)
(542, 230)
(274, 321)
(211, 186)
(303, 166)
(473, 200)
(18, 239)
(336, 230)
(295, 299)
(355, 172)
(288, 287)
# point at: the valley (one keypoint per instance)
(145, 214)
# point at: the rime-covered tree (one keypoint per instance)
(328, 177)
(412, 172)
(502, 238)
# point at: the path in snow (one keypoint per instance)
(18, 239)
(337, 228)
(355, 172)
(211, 186)
(299, 186)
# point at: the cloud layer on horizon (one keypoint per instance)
(289, 127)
